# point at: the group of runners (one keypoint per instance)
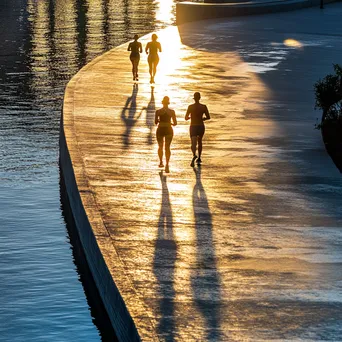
(152, 49)
(165, 117)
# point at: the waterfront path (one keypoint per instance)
(247, 247)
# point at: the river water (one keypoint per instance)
(43, 44)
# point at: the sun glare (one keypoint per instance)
(293, 43)
(164, 11)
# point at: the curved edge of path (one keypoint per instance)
(99, 250)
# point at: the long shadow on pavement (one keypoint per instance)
(205, 279)
(128, 115)
(150, 111)
(164, 264)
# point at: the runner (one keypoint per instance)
(136, 48)
(163, 119)
(195, 113)
(153, 59)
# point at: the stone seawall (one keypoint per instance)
(92, 233)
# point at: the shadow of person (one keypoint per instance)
(150, 111)
(128, 115)
(164, 265)
(205, 279)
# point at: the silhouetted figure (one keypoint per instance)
(152, 49)
(163, 119)
(136, 48)
(195, 112)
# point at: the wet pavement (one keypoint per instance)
(248, 246)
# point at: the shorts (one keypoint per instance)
(164, 131)
(134, 58)
(197, 131)
(154, 59)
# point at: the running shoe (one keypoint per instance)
(193, 161)
(199, 161)
(161, 165)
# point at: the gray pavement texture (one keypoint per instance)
(247, 247)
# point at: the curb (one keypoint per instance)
(102, 258)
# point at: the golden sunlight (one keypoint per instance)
(293, 43)
(164, 11)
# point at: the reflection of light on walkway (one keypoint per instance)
(164, 11)
(172, 55)
(293, 43)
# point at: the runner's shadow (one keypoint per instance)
(128, 115)
(164, 265)
(205, 279)
(150, 111)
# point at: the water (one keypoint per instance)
(43, 44)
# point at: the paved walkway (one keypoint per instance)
(247, 247)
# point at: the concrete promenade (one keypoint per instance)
(247, 247)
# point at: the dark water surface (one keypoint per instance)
(43, 43)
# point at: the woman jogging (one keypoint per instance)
(152, 49)
(163, 118)
(136, 48)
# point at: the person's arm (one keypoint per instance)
(159, 47)
(156, 118)
(187, 115)
(206, 113)
(140, 48)
(147, 47)
(174, 118)
(129, 47)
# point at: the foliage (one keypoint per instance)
(328, 93)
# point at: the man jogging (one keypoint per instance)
(195, 112)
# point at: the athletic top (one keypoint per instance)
(135, 48)
(154, 47)
(164, 116)
(196, 111)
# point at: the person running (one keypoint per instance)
(152, 49)
(136, 48)
(163, 118)
(195, 112)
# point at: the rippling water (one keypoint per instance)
(43, 44)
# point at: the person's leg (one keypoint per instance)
(155, 64)
(133, 72)
(193, 149)
(150, 63)
(199, 141)
(160, 140)
(193, 144)
(134, 68)
(168, 140)
(199, 147)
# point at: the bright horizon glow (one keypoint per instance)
(164, 11)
